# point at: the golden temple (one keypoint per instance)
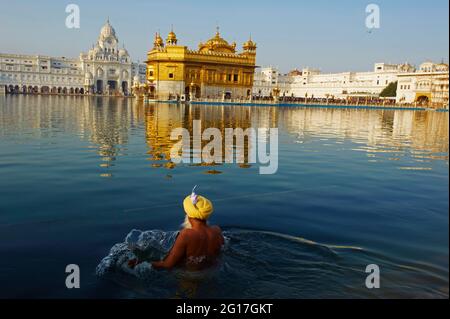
(214, 71)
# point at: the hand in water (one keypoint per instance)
(133, 263)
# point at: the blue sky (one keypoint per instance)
(327, 34)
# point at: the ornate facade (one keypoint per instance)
(429, 85)
(106, 69)
(214, 70)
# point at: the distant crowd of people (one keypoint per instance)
(331, 101)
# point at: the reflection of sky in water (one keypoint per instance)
(89, 170)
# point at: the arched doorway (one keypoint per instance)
(45, 90)
(30, 89)
(64, 90)
(72, 91)
(81, 91)
(422, 99)
(125, 87)
(112, 85)
(35, 90)
(99, 87)
(194, 90)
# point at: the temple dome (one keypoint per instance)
(159, 42)
(217, 44)
(249, 45)
(107, 31)
(171, 38)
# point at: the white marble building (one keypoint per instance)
(105, 69)
(268, 78)
(428, 85)
(312, 83)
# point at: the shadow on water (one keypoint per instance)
(259, 264)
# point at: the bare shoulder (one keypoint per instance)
(185, 234)
(216, 229)
(189, 234)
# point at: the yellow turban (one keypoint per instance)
(202, 210)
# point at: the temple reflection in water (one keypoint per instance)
(109, 123)
(160, 121)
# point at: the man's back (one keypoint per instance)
(198, 245)
(203, 245)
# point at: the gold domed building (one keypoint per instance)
(215, 70)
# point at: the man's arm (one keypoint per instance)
(219, 233)
(175, 255)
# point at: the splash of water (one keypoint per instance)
(144, 246)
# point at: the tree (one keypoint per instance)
(390, 90)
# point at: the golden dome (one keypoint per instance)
(249, 45)
(158, 40)
(171, 38)
(217, 44)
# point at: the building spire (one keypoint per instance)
(172, 38)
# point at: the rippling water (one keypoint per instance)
(354, 187)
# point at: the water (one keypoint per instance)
(354, 187)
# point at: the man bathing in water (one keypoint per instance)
(198, 244)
